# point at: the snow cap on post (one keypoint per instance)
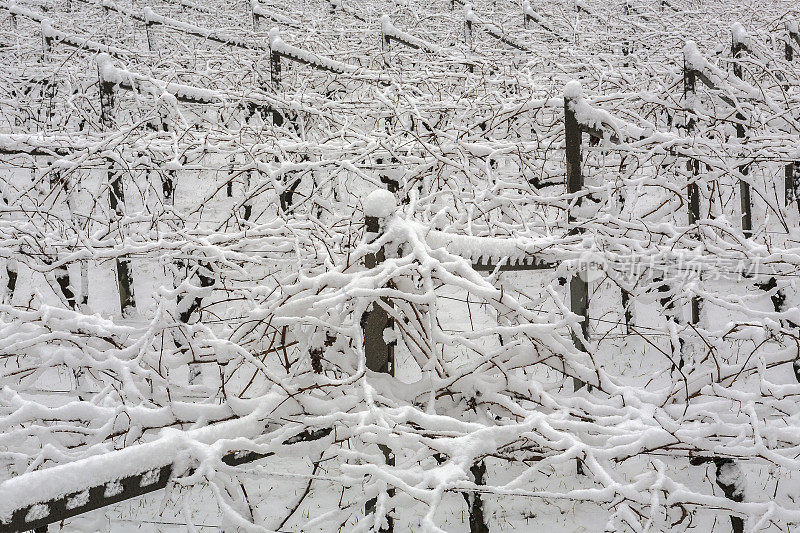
(149, 14)
(274, 36)
(47, 28)
(106, 70)
(739, 34)
(692, 56)
(380, 203)
(386, 24)
(791, 26)
(468, 14)
(527, 13)
(573, 90)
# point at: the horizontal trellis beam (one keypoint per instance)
(93, 497)
(492, 31)
(518, 266)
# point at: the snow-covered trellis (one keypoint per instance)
(365, 292)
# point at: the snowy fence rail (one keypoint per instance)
(260, 13)
(337, 5)
(389, 33)
(184, 4)
(530, 15)
(280, 49)
(34, 500)
(489, 27)
(149, 18)
(51, 36)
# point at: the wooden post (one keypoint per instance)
(61, 273)
(468, 20)
(206, 276)
(625, 299)
(626, 44)
(127, 302)
(63, 281)
(579, 298)
(255, 10)
(792, 170)
(692, 165)
(274, 60)
(275, 72)
(730, 478)
(379, 354)
(247, 208)
(124, 277)
(525, 7)
(275, 69)
(378, 207)
(738, 49)
(578, 284)
(477, 519)
(792, 184)
(149, 27)
(724, 466)
(275, 79)
(11, 281)
(47, 39)
(386, 41)
(152, 39)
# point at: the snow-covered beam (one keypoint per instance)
(390, 32)
(279, 47)
(191, 5)
(54, 36)
(24, 144)
(337, 5)
(36, 499)
(152, 18)
(524, 264)
(259, 13)
(498, 34)
(530, 15)
(114, 76)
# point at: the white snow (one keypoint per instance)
(573, 90)
(238, 211)
(739, 34)
(379, 203)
